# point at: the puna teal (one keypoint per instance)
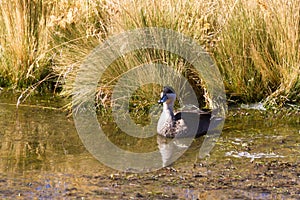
(180, 124)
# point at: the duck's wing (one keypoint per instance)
(202, 114)
(196, 122)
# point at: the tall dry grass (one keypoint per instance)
(24, 43)
(128, 15)
(76, 28)
(258, 50)
(254, 43)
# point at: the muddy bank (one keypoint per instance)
(264, 179)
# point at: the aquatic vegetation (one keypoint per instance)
(255, 44)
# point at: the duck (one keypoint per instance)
(183, 123)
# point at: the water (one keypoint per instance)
(256, 157)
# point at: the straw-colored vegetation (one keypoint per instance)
(258, 51)
(23, 43)
(255, 44)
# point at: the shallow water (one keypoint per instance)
(256, 157)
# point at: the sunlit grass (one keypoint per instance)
(255, 44)
(23, 43)
(258, 51)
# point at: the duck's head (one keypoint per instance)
(168, 96)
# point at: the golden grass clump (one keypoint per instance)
(23, 42)
(258, 51)
(76, 28)
(128, 15)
